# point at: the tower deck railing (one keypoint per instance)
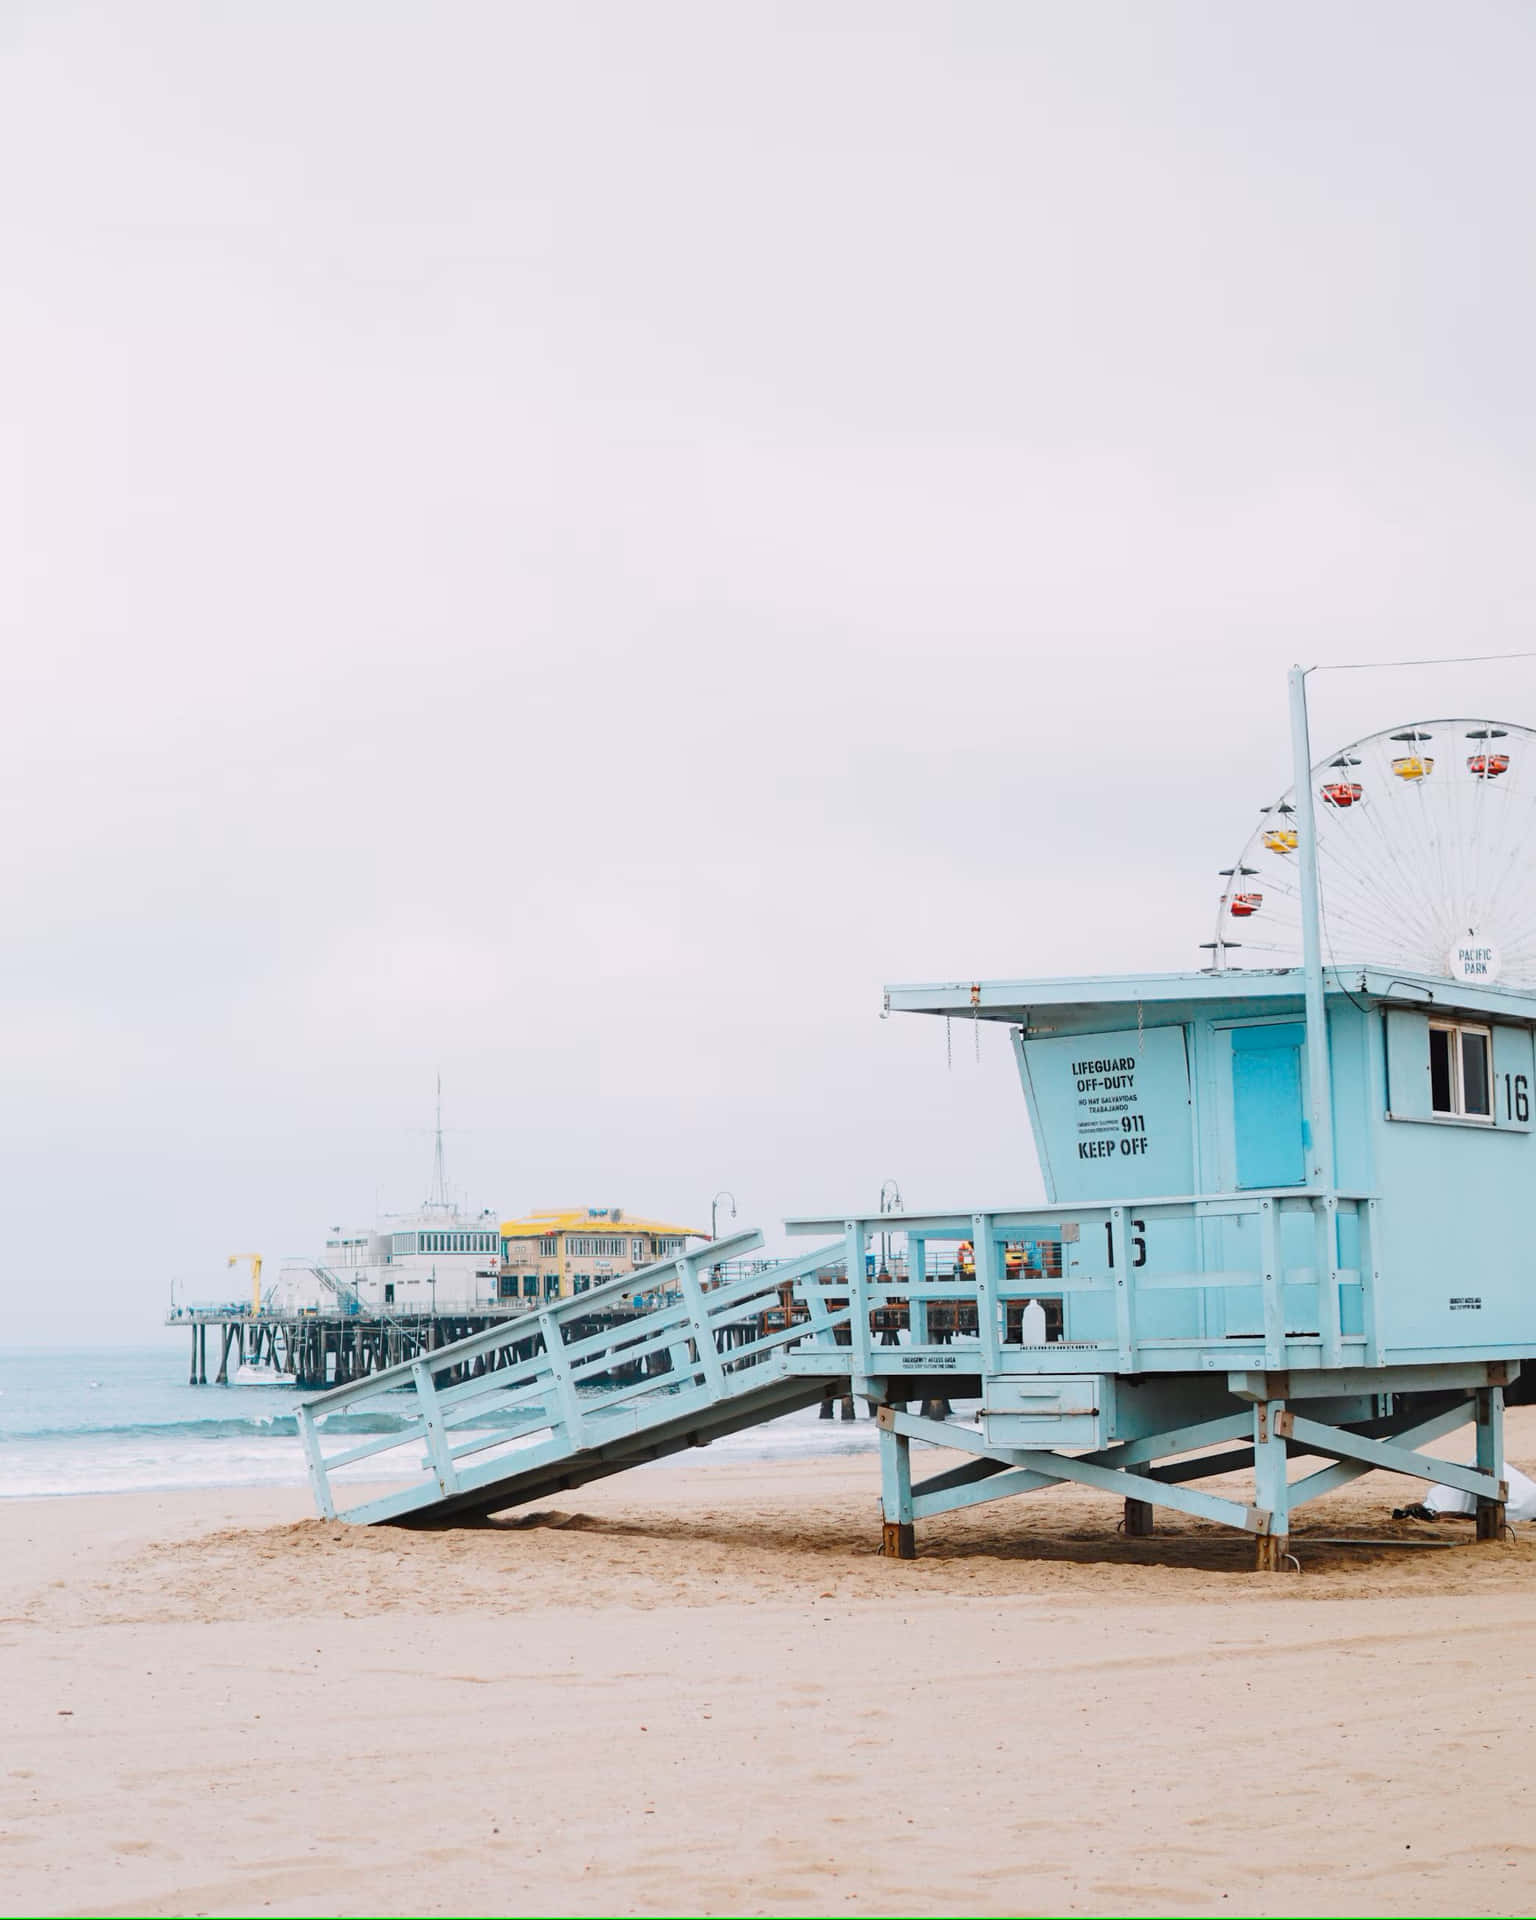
(1193, 1251)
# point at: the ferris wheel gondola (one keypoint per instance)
(1426, 847)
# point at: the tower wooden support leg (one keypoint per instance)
(1490, 1459)
(1271, 1488)
(898, 1540)
(1140, 1519)
(1269, 1552)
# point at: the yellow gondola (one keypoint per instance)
(1281, 839)
(1414, 766)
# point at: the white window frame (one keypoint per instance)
(1458, 1108)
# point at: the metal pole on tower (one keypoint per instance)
(1320, 1169)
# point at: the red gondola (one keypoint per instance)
(1488, 766)
(1343, 793)
(1244, 904)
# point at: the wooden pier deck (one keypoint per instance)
(321, 1348)
(318, 1349)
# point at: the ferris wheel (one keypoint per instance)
(1426, 859)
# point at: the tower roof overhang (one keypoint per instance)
(1113, 999)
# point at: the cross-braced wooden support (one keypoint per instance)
(1151, 1471)
(996, 1472)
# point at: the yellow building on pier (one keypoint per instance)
(548, 1256)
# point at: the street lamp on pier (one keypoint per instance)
(890, 1202)
(714, 1207)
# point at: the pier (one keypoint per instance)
(318, 1348)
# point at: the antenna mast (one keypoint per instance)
(439, 1194)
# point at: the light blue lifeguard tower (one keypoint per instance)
(1286, 1218)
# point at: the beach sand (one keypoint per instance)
(698, 1688)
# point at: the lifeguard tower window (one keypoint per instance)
(1460, 1080)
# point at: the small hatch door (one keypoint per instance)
(1269, 1133)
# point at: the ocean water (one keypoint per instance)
(116, 1419)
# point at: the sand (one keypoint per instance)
(698, 1689)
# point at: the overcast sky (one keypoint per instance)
(571, 543)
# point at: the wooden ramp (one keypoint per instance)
(534, 1406)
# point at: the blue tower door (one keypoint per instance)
(1269, 1133)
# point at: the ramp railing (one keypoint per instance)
(537, 1388)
